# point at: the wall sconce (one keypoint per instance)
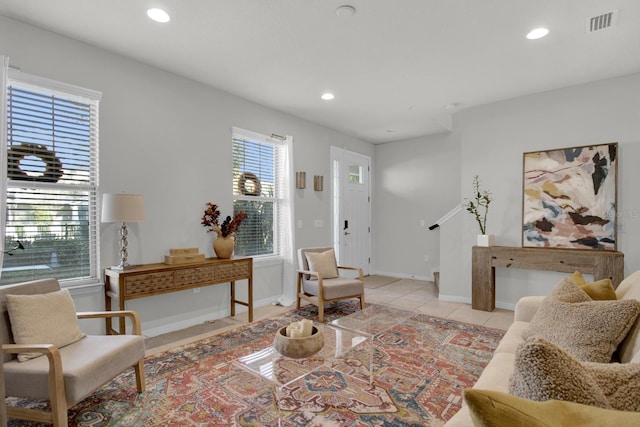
(301, 180)
(317, 182)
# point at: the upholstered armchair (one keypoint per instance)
(35, 367)
(319, 279)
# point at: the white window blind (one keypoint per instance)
(52, 172)
(258, 190)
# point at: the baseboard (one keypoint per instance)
(404, 275)
(176, 326)
(505, 306)
(454, 298)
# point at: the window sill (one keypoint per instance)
(82, 287)
(267, 261)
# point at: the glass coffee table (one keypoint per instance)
(347, 340)
(373, 320)
(281, 370)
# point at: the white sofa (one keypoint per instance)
(499, 370)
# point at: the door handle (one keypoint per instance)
(346, 233)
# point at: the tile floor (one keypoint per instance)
(422, 296)
(418, 295)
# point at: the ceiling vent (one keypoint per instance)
(602, 22)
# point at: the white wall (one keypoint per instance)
(415, 181)
(493, 139)
(169, 138)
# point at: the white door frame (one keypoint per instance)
(337, 158)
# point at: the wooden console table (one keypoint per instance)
(141, 281)
(601, 264)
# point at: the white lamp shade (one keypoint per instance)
(121, 207)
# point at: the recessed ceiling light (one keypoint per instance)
(537, 33)
(327, 96)
(158, 15)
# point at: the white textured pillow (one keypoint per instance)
(589, 330)
(43, 319)
(323, 263)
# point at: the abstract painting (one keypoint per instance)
(570, 198)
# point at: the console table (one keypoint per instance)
(601, 264)
(141, 281)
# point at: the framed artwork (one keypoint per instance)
(570, 198)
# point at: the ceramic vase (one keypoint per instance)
(223, 246)
(485, 240)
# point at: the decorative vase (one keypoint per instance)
(485, 240)
(223, 246)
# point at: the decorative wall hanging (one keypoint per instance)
(18, 153)
(253, 189)
(570, 198)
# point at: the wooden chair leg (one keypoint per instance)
(298, 291)
(60, 417)
(57, 394)
(361, 301)
(321, 311)
(139, 368)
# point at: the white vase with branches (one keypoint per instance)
(479, 208)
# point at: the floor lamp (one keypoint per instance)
(123, 208)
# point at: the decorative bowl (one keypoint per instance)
(297, 348)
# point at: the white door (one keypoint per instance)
(352, 213)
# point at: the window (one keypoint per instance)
(52, 179)
(258, 189)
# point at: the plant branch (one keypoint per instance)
(479, 207)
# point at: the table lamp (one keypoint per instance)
(123, 208)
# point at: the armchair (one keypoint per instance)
(319, 280)
(70, 373)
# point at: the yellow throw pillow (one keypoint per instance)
(599, 290)
(323, 263)
(495, 409)
(43, 319)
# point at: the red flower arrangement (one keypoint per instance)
(229, 226)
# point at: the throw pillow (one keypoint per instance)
(589, 330)
(544, 371)
(43, 319)
(620, 383)
(598, 290)
(323, 263)
(496, 409)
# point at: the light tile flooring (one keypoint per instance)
(422, 296)
(408, 294)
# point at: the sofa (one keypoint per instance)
(498, 374)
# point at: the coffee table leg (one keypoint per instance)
(370, 360)
(278, 390)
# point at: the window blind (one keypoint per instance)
(258, 191)
(52, 172)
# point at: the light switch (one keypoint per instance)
(299, 223)
(318, 223)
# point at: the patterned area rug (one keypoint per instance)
(421, 367)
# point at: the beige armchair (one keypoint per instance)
(68, 374)
(319, 279)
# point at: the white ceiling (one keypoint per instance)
(394, 66)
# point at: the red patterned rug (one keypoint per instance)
(421, 367)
